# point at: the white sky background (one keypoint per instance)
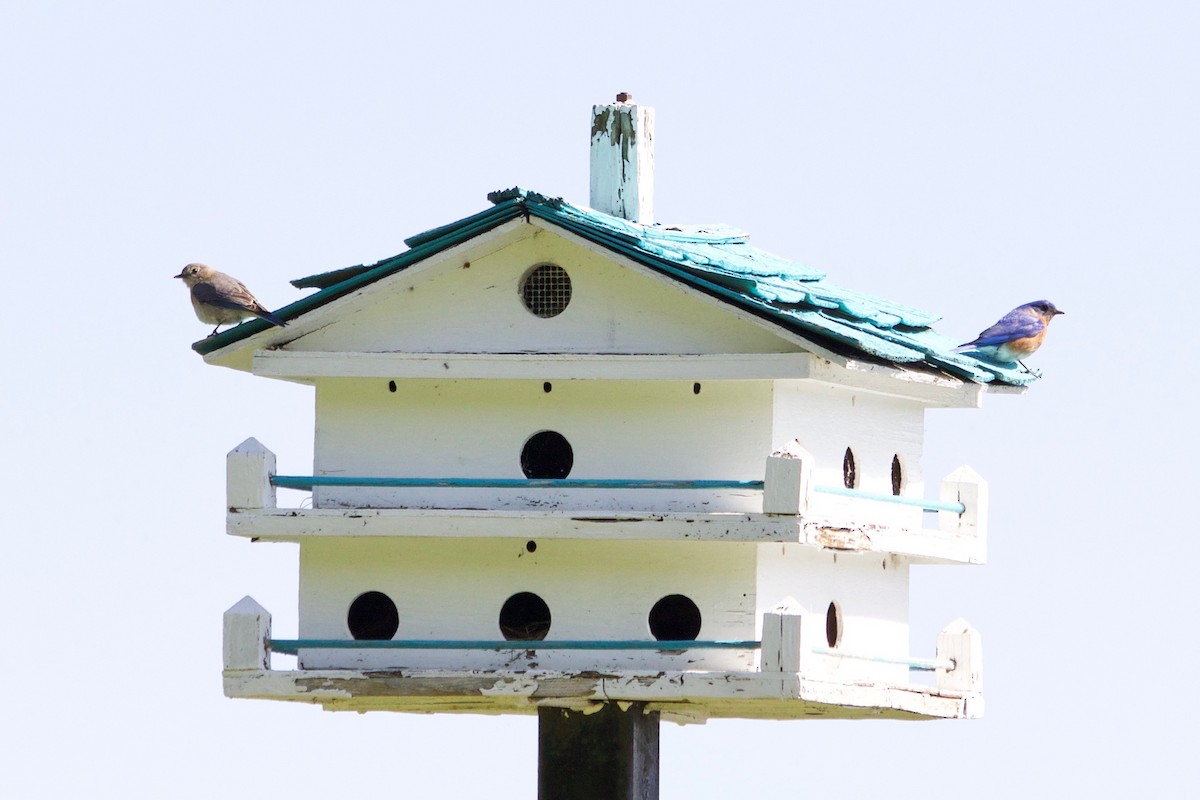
(954, 157)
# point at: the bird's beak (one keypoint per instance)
(180, 275)
(1056, 311)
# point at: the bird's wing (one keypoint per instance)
(207, 294)
(230, 294)
(1014, 325)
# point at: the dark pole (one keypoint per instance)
(607, 755)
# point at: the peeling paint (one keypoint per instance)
(712, 695)
(843, 539)
(600, 120)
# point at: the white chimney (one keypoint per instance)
(623, 160)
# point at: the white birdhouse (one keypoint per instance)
(565, 455)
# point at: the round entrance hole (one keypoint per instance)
(373, 616)
(524, 617)
(849, 470)
(547, 454)
(833, 625)
(675, 618)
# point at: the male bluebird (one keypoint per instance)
(1017, 335)
(220, 299)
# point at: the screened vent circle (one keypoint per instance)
(546, 290)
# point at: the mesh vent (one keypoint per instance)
(547, 290)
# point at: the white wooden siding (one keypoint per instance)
(454, 589)
(827, 419)
(476, 429)
(872, 591)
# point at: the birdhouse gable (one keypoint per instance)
(528, 288)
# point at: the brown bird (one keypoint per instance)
(221, 300)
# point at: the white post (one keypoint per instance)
(960, 643)
(787, 484)
(781, 645)
(964, 485)
(247, 628)
(622, 167)
(248, 471)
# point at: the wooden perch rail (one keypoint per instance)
(789, 497)
(307, 482)
(784, 648)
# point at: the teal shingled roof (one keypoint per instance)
(714, 259)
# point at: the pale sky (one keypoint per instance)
(956, 157)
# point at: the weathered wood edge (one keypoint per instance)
(681, 696)
(292, 525)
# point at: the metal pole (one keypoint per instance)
(606, 755)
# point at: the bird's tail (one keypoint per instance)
(269, 317)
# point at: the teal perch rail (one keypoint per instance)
(292, 645)
(307, 482)
(927, 505)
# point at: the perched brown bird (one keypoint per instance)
(221, 300)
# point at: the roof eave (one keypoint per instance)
(467, 229)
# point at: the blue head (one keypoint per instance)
(1041, 308)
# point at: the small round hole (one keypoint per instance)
(897, 475)
(546, 290)
(524, 617)
(695, 388)
(531, 546)
(675, 618)
(546, 387)
(849, 470)
(833, 625)
(547, 454)
(373, 616)
(391, 386)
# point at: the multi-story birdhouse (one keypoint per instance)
(568, 454)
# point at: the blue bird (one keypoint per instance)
(221, 300)
(1017, 335)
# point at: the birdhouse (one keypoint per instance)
(568, 455)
